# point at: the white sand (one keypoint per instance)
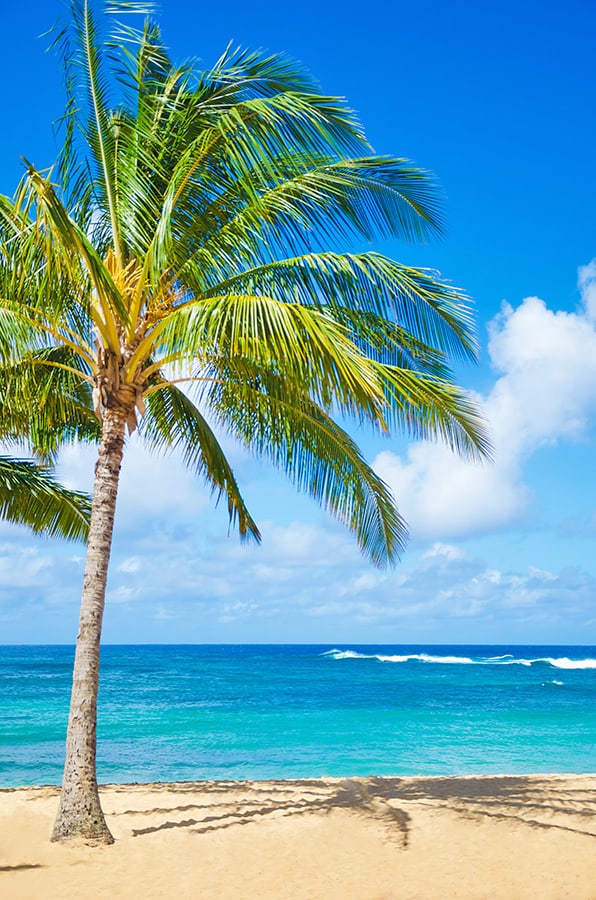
(358, 839)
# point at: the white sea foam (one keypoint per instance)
(395, 659)
(565, 663)
(427, 658)
(420, 657)
(562, 663)
(447, 660)
(347, 654)
(507, 659)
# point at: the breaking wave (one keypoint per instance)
(507, 659)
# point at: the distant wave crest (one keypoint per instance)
(565, 663)
(507, 659)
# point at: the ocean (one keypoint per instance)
(235, 712)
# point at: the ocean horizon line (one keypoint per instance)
(304, 644)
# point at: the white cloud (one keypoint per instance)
(130, 565)
(305, 582)
(453, 593)
(123, 594)
(449, 551)
(587, 285)
(23, 567)
(441, 496)
(152, 486)
(545, 392)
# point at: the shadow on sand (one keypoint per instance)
(535, 803)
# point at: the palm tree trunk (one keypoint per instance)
(79, 812)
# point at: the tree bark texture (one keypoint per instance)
(79, 812)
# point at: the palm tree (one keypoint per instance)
(193, 233)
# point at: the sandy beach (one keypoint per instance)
(368, 839)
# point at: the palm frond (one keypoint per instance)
(432, 408)
(71, 251)
(275, 420)
(308, 345)
(46, 400)
(30, 496)
(173, 421)
(434, 312)
(240, 73)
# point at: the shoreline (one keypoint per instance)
(306, 779)
(469, 836)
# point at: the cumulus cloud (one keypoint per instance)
(449, 591)
(587, 287)
(295, 563)
(152, 486)
(307, 579)
(545, 391)
(305, 582)
(22, 567)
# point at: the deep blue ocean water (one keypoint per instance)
(179, 713)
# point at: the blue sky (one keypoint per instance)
(497, 100)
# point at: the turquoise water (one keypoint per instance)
(178, 713)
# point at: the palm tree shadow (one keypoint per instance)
(534, 803)
(282, 799)
(20, 867)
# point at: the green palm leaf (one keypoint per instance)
(173, 421)
(276, 420)
(437, 314)
(30, 496)
(46, 400)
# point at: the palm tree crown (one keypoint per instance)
(194, 232)
(192, 236)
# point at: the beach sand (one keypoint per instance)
(367, 839)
